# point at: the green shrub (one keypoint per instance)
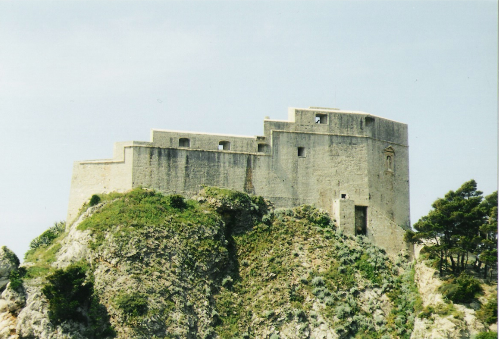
(268, 314)
(486, 335)
(99, 320)
(426, 313)
(10, 256)
(318, 281)
(133, 304)
(16, 278)
(489, 311)
(461, 289)
(71, 297)
(67, 291)
(176, 201)
(94, 200)
(227, 282)
(294, 294)
(47, 237)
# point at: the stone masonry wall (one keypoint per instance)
(318, 157)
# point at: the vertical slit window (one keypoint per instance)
(301, 151)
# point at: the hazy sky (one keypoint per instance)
(76, 76)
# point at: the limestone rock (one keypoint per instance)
(14, 299)
(446, 326)
(8, 263)
(33, 320)
(7, 325)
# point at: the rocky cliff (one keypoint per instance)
(220, 265)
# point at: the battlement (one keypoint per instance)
(351, 164)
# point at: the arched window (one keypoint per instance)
(389, 159)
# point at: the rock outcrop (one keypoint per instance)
(12, 298)
(221, 265)
(8, 263)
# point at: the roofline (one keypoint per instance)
(337, 110)
(203, 133)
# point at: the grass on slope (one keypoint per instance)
(296, 273)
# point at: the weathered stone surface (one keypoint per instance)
(441, 327)
(15, 299)
(8, 263)
(7, 325)
(319, 156)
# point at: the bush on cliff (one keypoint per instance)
(489, 311)
(462, 289)
(71, 298)
(47, 237)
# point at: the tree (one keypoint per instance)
(487, 249)
(451, 229)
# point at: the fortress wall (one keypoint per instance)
(119, 148)
(184, 171)
(203, 141)
(346, 123)
(388, 130)
(95, 177)
(343, 161)
(389, 199)
(335, 123)
(330, 165)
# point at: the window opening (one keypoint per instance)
(343, 196)
(261, 148)
(301, 151)
(389, 159)
(360, 220)
(184, 142)
(224, 145)
(321, 118)
(389, 163)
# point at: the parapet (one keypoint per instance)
(333, 121)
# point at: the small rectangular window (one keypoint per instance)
(224, 145)
(301, 151)
(184, 142)
(261, 148)
(321, 118)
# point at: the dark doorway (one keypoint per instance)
(360, 220)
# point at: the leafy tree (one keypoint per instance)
(451, 229)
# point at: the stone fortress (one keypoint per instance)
(352, 164)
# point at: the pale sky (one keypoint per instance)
(77, 76)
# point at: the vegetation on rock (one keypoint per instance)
(71, 297)
(225, 265)
(489, 311)
(47, 237)
(462, 289)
